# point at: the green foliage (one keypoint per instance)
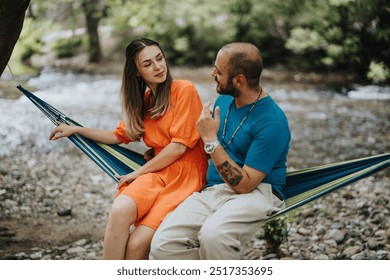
(341, 2)
(303, 40)
(30, 42)
(28, 46)
(185, 29)
(66, 47)
(274, 233)
(302, 34)
(378, 72)
(346, 35)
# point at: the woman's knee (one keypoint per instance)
(138, 249)
(138, 244)
(123, 210)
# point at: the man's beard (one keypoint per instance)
(229, 89)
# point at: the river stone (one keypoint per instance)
(335, 234)
(80, 242)
(337, 225)
(307, 212)
(352, 250)
(381, 234)
(321, 257)
(350, 242)
(36, 256)
(76, 250)
(320, 230)
(383, 255)
(304, 231)
(331, 243)
(10, 203)
(372, 243)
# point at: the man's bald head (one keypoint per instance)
(244, 58)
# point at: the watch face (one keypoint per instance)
(209, 148)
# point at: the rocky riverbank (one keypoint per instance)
(54, 201)
(64, 217)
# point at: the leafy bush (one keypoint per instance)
(378, 72)
(67, 47)
(274, 233)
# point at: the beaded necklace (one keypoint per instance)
(242, 121)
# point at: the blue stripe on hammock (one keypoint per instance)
(297, 183)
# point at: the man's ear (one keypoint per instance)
(239, 80)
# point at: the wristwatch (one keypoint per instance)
(210, 147)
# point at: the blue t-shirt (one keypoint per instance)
(262, 142)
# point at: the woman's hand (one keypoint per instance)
(62, 130)
(126, 179)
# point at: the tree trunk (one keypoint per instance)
(92, 17)
(11, 23)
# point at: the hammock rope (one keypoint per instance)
(302, 186)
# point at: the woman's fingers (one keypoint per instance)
(122, 180)
(62, 130)
(53, 134)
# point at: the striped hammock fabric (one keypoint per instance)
(302, 186)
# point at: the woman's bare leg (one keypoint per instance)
(122, 214)
(138, 244)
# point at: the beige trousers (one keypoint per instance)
(212, 224)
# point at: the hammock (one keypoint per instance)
(302, 186)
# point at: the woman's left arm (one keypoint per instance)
(167, 156)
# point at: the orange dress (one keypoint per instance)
(158, 193)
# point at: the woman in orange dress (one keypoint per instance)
(163, 112)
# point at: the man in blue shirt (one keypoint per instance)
(248, 138)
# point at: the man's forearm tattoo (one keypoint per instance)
(231, 175)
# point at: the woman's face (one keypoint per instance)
(151, 66)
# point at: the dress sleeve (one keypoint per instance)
(188, 107)
(120, 133)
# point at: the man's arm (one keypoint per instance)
(241, 180)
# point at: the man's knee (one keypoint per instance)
(218, 242)
(210, 235)
(214, 235)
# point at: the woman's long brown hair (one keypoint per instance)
(134, 105)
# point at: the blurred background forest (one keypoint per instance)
(344, 36)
